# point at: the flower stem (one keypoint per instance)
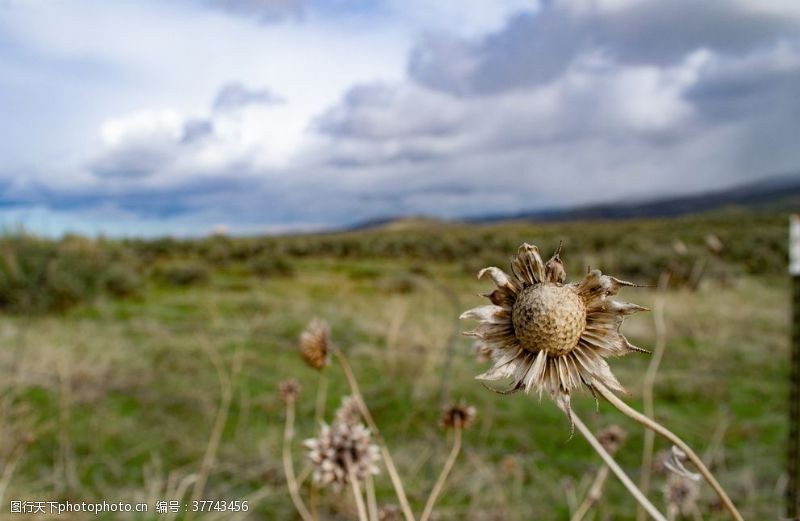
(656, 427)
(362, 511)
(387, 457)
(584, 430)
(322, 391)
(372, 504)
(649, 383)
(448, 466)
(593, 495)
(288, 468)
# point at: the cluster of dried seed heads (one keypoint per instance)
(340, 450)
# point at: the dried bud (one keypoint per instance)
(612, 438)
(680, 494)
(349, 413)
(554, 268)
(288, 390)
(315, 343)
(458, 414)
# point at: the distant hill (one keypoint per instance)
(781, 193)
(771, 194)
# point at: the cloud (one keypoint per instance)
(235, 95)
(566, 103)
(534, 48)
(264, 11)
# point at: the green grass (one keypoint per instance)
(120, 395)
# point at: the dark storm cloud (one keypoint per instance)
(535, 48)
(235, 95)
(263, 10)
(137, 160)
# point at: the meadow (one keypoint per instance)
(141, 370)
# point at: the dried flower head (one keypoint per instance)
(612, 438)
(680, 494)
(458, 414)
(340, 449)
(348, 412)
(315, 343)
(549, 335)
(288, 390)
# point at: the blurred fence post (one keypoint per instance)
(793, 454)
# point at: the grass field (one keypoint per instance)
(115, 397)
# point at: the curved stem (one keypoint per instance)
(288, 468)
(387, 457)
(656, 427)
(649, 384)
(448, 466)
(609, 461)
(593, 495)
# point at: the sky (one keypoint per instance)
(185, 117)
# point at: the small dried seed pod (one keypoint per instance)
(288, 390)
(315, 344)
(348, 413)
(458, 414)
(612, 438)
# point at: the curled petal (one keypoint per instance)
(490, 313)
(500, 278)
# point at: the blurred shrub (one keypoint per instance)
(183, 273)
(271, 266)
(40, 275)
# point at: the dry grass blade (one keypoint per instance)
(448, 466)
(288, 467)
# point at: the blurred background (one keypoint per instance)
(184, 185)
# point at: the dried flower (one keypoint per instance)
(457, 414)
(612, 438)
(340, 449)
(288, 390)
(315, 343)
(348, 413)
(680, 494)
(549, 335)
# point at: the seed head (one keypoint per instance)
(458, 414)
(341, 449)
(315, 343)
(550, 335)
(348, 413)
(612, 438)
(680, 493)
(288, 390)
